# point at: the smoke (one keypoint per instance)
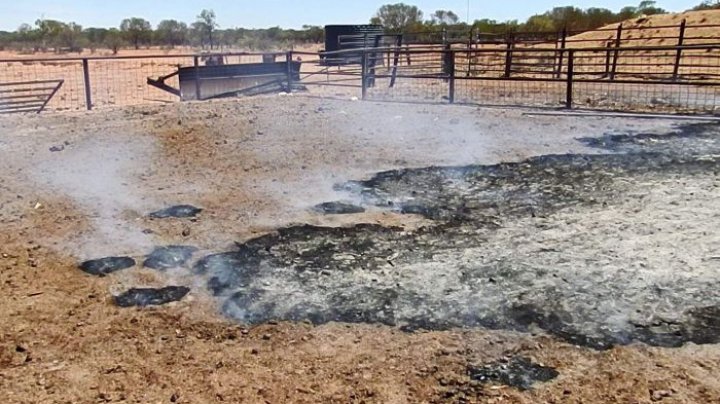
(95, 173)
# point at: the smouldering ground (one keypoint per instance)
(257, 165)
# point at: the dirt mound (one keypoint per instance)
(655, 30)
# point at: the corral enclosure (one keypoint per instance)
(660, 63)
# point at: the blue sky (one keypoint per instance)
(284, 13)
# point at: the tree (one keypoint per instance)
(49, 32)
(708, 5)
(96, 36)
(114, 40)
(171, 32)
(444, 17)
(136, 31)
(648, 7)
(205, 26)
(398, 17)
(71, 37)
(540, 23)
(313, 33)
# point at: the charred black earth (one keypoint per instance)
(105, 266)
(518, 372)
(473, 267)
(174, 256)
(142, 297)
(177, 211)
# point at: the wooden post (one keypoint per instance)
(196, 61)
(678, 57)
(88, 87)
(616, 55)
(570, 77)
(563, 43)
(508, 55)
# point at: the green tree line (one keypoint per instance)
(204, 32)
(136, 32)
(402, 17)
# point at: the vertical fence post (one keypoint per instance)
(364, 73)
(289, 70)
(570, 78)
(444, 36)
(88, 87)
(616, 55)
(196, 63)
(396, 60)
(678, 57)
(509, 55)
(608, 56)
(450, 70)
(563, 43)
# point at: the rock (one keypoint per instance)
(104, 266)
(151, 297)
(659, 395)
(59, 148)
(338, 208)
(173, 256)
(178, 211)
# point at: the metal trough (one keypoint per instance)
(207, 82)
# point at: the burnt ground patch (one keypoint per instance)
(105, 266)
(142, 297)
(174, 256)
(458, 273)
(177, 211)
(517, 372)
(338, 208)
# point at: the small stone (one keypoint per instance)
(659, 395)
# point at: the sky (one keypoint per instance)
(283, 13)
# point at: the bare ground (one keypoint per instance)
(258, 165)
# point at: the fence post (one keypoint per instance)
(616, 55)
(563, 43)
(570, 78)
(678, 57)
(88, 87)
(508, 55)
(450, 66)
(364, 73)
(396, 60)
(196, 62)
(608, 55)
(289, 70)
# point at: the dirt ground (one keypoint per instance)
(256, 165)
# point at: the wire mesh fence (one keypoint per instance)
(113, 81)
(668, 78)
